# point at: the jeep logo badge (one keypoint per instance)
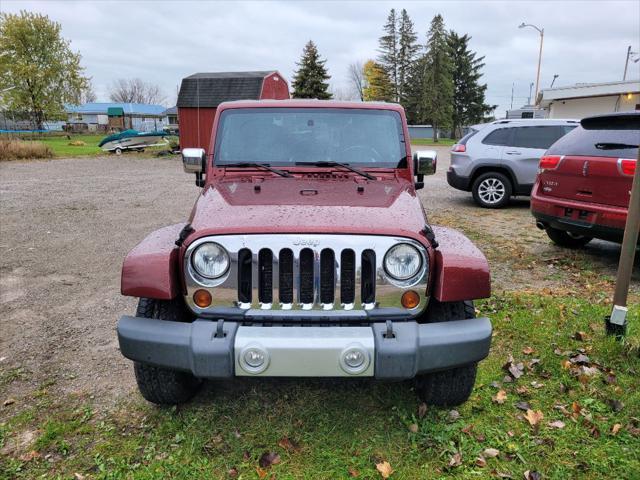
(306, 242)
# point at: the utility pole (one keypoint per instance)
(530, 87)
(630, 56)
(512, 86)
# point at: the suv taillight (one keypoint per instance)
(549, 162)
(459, 148)
(627, 166)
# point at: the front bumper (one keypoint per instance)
(210, 349)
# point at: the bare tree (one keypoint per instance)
(85, 95)
(135, 90)
(356, 78)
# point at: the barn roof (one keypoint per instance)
(208, 90)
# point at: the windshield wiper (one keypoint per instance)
(338, 164)
(266, 166)
(614, 146)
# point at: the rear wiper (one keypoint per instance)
(266, 166)
(338, 164)
(614, 146)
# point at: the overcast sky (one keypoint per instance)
(164, 41)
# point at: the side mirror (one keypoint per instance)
(193, 160)
(424, 163)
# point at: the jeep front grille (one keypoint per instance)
(305, 272)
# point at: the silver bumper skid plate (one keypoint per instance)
(391, 350)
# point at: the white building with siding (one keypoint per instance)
(585, 99)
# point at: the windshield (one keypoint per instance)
(286, 136)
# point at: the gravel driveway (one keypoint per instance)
(66, 225)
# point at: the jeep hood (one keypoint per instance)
(308, 205)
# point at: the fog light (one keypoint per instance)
(410, 299)
(354, 359)
(202, 298)
(254, 359)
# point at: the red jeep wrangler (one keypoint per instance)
(307, 254)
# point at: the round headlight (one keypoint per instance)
(402, 261)
(210, 260)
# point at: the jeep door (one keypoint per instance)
(493, 145)
(525, 148)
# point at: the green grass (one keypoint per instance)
(340, 426)
(443, 142)
(61, 148)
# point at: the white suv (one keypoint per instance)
(497, 160)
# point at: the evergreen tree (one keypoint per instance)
(413, 90)
(469, 105)
(310, 81)
(437, 87)
(407, 52)
(378, 84)
(388, 57)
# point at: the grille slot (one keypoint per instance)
(368, 281)
(265, 276)
(347, 276)
(285, 277)
(306, 275)
(244, 275)
(327, 275)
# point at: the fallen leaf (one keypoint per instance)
(535, 384)
(524, 406)
(9, 401)
(78, 476)
(246, 455)
(499, 397)
(289, 445)
(353, 472)
(453, 415)
(232, 472)
(467, 429)
(580, 359)
(481, 462)
(534, 417)
(455, 460)
(422, 410)
(528, 350)
(269, 458)
(532, 475)
(522, 390)
(261, 473)
(491, 452)
(581, 336)
(502, 474)
(616, 428)
(27, 457)
(384, 468)
(557, 424)
(413, 428)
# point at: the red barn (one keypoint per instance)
(201, 93)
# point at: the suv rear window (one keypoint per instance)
(541, 137)
(498, 137)
(583, 142)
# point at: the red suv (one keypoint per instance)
(583, 186)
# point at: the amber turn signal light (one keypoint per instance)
(202, 298)
(410, 299)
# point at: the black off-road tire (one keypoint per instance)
(454, 386)
(497, 179)
(161, 385)
(567, 239)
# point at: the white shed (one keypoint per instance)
(585, 99)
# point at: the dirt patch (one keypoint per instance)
(66, 225)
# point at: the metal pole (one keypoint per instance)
(626, 63)
(617, 323)
(539, 62)
(512, 85)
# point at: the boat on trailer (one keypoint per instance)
(132, 140)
